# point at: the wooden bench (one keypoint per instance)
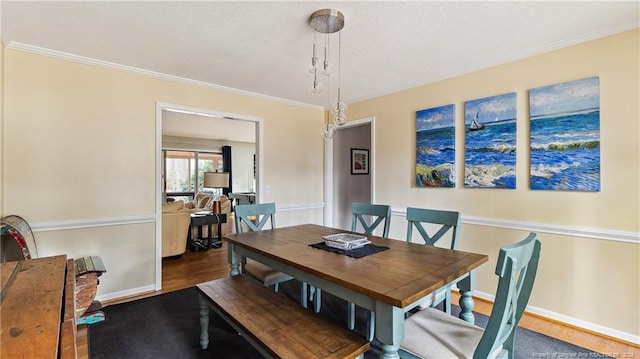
(274, 324)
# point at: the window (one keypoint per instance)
(181, 168)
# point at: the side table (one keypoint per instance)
(206, 219)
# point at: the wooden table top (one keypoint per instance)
(398, 276)
(31, 305)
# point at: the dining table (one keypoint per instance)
(389, 282)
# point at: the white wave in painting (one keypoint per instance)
(498, 147)
(543, 138)
(565, 146)
(486, 176)
(546, 171)
(428, 151)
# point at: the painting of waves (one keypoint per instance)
(490, 142)
(565, 136)
(435, 147)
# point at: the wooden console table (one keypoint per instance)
(40, 306)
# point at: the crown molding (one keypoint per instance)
(134, 70)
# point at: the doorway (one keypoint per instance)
(341, 186)
(222, 121)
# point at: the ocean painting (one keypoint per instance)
(435, 147)
(565, 136)
(490, 142)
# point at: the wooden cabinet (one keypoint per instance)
(39, 310)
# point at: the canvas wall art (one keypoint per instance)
(565, 136)
(435, 147)
(490, 142)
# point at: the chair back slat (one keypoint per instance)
(263, 212)
(447, 220)
(516, 269)
(363, 213)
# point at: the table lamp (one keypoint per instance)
(217, 180)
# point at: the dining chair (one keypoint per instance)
(369, 217)
(431, 333)
(255, 217)
(440, 222)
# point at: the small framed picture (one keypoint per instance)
(359, 161)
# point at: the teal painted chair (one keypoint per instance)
(431, 333)
(440, 223)
(369, 217)
(365, 219)
(254, 217)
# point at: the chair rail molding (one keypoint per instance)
(571, 231)
(564, 230)
(90, 223)
(122, 221)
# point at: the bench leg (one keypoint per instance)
(351, 315)
(371, 326)
(204, 323)
(303, 294)
(317, 300)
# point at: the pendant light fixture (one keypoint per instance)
(327, 21)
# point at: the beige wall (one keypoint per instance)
(591, 280)
(80, 157)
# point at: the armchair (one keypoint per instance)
(175, 227)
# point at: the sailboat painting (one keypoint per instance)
(490, 142)
(435, 147)
(564, 122)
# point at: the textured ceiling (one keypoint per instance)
(265, 47)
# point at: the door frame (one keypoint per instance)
(329, 166)
(164, 106)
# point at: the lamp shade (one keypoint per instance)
(216, 180)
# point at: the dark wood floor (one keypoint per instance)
(201, 266)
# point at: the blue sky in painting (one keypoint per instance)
(501, 107)
(433, 118)
(566, 97)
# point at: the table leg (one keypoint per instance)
(218, 242)
(204, 323)
(389, 329)
(209, 238)
(466, 286)
(234, 260)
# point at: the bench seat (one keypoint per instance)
(274, 324)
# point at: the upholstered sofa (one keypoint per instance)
(204, 203)
(175, 228)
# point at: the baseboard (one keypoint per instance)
(571, 321)
(126, 293)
